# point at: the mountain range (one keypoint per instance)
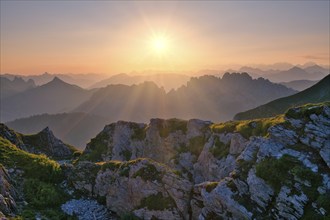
(319, 92)
(205, 97)
(14, 86)
(81, 80)
(296, 73)
(53, 97)
(168, 81)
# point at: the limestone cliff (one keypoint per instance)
(275, 168)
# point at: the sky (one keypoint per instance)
(116, 36)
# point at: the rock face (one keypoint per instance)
(11, 136)
(142, 187)
(7, 194)
(45, 142)
(281, 174)
(85, 209)
(276, 168)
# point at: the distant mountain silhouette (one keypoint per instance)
(297, 73)
(73, 128)
(206, 97)
(16, 85)
(54, 97)
(168, 81)
(82, 80)
(255, 72)
(299, 85)
(316, 69)
(317, 93)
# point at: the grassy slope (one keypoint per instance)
(317, 93)
(40, 181)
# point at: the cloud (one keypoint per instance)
(312, 57)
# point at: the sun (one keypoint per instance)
(160, 44)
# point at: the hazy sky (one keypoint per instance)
(114, 36)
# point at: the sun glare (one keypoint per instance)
(159, 44)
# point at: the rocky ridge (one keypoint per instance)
(267, 168)
(43, 142)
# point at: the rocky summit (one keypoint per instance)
(43, 142)
(270, 168)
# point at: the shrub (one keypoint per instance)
(42, 195)
(172, 125)
(220, 149)
(276, 171)
(129, 216)
(139, 133)
(127, 154)
(157, 202)
(196, 145)
(211, 186)
(98, 146)
(149, 172)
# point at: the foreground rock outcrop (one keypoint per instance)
(8, 194)
(43, 142)
(273, 168)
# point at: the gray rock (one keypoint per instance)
(260, 192)
(290, 206)
(237, 144)
(86, 209)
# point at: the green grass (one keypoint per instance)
(139, 133)
(304, 111)
(127, 154)
(39, 141)
(34, 166)
(98, 146)
(248, 128)
(149, 172)
(195, 146)
(172, 125)
(157, 202)
(220, 149)
(211, 186)
(279, 172)
(40, 185)
(129, 216)
(43, 195)
(111, 165)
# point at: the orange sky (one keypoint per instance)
(111, 37)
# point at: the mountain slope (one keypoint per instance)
(320, 92)
(73, 128)
(206, 97)
(299, 85)
(53, 97)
